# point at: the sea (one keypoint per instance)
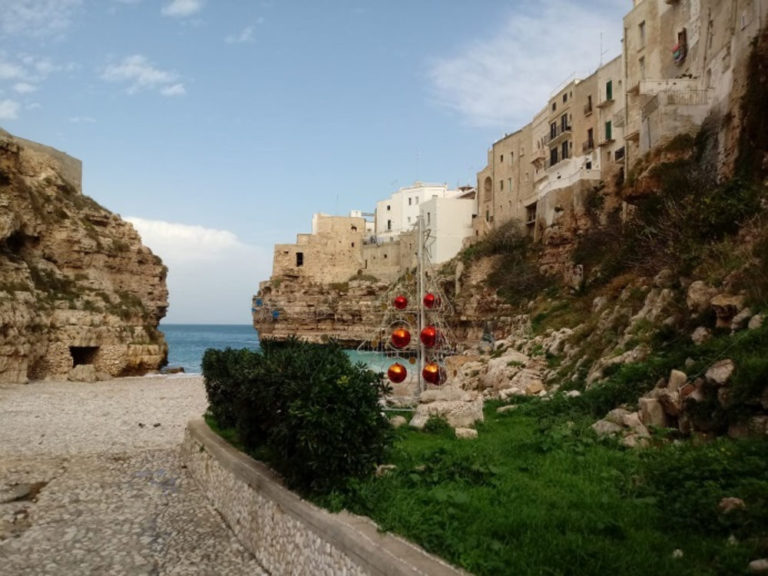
(188, 342)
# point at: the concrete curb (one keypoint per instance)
(286, 534)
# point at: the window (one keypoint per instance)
(641, 63)
(487, 216)
(588, 165)
(501, 158)
(554, 106)
(552, 156)
(299, 259)
(608, 131)
(429, 217)
(501, 184)
(387, 207)
(590, 139)
(353, 244)
(564, 149)
(389, 224)
(509, 184)
(530, 214)
(409, 201)
(552, 130)
(641, 33)
(564, 122)
(609, 90)
(565, 97)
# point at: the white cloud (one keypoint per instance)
(24, 87)
(212, 275)
(140, 74)
(37, 18)
(503, 81)
(174, 90)
(183, 8)
(9, 109)
(9, 70)
(82, 120)
(244, 36)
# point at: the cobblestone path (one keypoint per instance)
(91, 482)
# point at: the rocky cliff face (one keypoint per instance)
(79, 293)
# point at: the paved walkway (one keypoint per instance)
(91, 482)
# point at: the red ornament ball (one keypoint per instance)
(400, 338)
(430, 300)
(400, 302)
(429, 336)
(432, 373)
(397, 373)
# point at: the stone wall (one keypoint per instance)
(286, 534)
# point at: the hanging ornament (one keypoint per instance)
(432, 373)
(431, 301)
(397, 373)
(400, 302)
(400, 337)
(429, 336)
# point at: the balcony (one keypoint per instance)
(539, 157)
(588, 108)
(605, 103)
(559, 134)
(588, 146)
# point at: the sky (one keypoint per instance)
(218, 128)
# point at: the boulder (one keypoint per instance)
(740, 321)
(726, 307)
(459, 412)
(83, 373)
(755, 322)
(652, 413)
(466, 433)
(397, 421)
(720, 372)
(617, 416)
(698, 296)
(605, 428)
(759, 566)
(676, 380)
(700, 335)
(505, 409)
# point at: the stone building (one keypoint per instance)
(331, 253)
(677, 67)
(680, 58)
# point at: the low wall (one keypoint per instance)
(286, 534)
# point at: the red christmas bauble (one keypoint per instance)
(432, 373)
(429, 336)
(400, 337)
(400, 302)
(430, 300)
(397, 373)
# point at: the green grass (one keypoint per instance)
(538, 494)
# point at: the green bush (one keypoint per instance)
(303, 407)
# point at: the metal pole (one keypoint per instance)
(421, 297)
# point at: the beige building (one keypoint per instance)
(679, 59)
(333, 252)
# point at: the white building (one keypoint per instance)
(398, 213)
(449, 221)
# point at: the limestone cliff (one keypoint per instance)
(77, 287)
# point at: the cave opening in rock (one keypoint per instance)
(83, 354)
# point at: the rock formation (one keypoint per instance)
(80, 296)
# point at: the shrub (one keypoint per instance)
(303, 407)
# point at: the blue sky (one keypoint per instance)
(219, 128)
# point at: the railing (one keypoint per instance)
(559, 131)
(588, 108)
(618, 156)
(588, 146)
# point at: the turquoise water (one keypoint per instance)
(188, 342)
